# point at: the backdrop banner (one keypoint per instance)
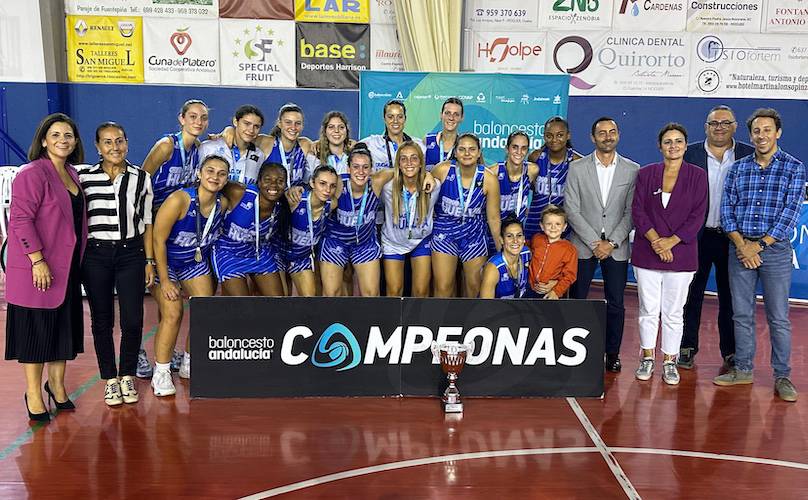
(257, 53)
(352, 346)
(104, 49)
(330, 55)
(181, 51)
(494, 104)
(716, 17)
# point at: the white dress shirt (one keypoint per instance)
(716, 174)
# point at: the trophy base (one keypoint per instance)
(453, 407)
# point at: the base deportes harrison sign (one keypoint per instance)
(351, 346)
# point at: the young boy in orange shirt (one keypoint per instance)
(554, 261)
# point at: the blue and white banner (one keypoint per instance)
(494, 104)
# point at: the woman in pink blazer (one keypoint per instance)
(47, 233)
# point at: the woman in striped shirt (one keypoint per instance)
(119, 256)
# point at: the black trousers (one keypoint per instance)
(111, 266)
(615, 274)
(713, 251)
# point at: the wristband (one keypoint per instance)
(150, 261)
(37, 262)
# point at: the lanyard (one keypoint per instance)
(284, 160)
(310, 220)
(410, 208)
(521, 187)
(185, 161)
(464, 206)
(337, 161)
(520, 271)
(236, 158)
(439, 138)
(387, 142)
(361, 216)
(200, 235)
(258, 222)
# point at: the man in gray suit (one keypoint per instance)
(598, 196)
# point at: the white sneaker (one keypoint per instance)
(162, 384)
(670, 375)
(645, 370)
(112, 392)
(129, 390)
(185, 366)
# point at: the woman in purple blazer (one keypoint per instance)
(47, 233)
(670, 200)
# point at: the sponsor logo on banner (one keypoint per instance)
(382, 12)
(724, 15)
(257, 53)
(104, 49)
(150, 8)
(333, 11)
(750, 66)
(507, 53)
(385, 51)
(331, 55)
(621, 63)
(576, 14)
(649, 15)
(787, 16)
(181, 51)
(503, 16)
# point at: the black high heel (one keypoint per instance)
(66, 405)
(36, 417)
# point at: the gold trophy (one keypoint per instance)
(452, 357)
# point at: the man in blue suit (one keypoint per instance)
(716, 155)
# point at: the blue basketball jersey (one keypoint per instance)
(454, 212)
(353, 222)
(175, 173)
(549, 189)
(238, 231)
(434, 154)
(302, 244)
(509, 287)
(509, 199)
(182, 240)
(294, 161)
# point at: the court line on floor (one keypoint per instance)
(604, 450)
(308, 483)
(711, 456)
(416, 462)
(28, 434)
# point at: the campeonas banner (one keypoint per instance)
(385, 54)
(500, 52)
(623, 64)
(749, 65)
(641, 15)
(494, 104)
(181, 51)
(156, 8)
(330, 55)
(576, 14)
(333, 11)
(104, 49)
(787, 16)
(502, 16)
(257, 53)
(714, 16)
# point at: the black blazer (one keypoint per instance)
(697, 155)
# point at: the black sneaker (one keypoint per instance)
(613, 363)
(686, 358)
